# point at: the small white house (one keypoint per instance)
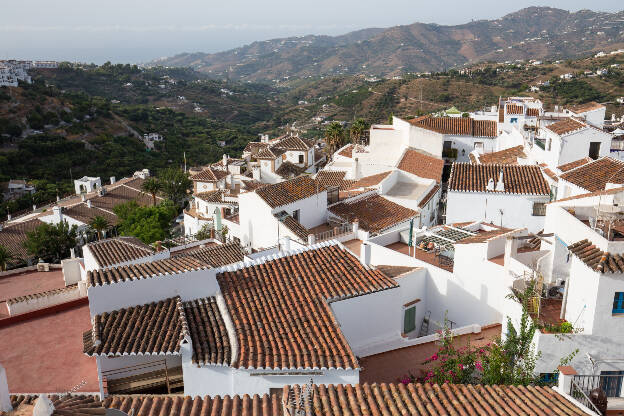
(87, 184)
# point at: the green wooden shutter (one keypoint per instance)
(409, 322)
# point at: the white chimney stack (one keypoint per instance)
(58, 214)
(82, 197)
(5, 400)
(112, 180)
(43, 406)
(256, 172)
(225, 160)
(500, 186)
(88, 203)
(490, 185)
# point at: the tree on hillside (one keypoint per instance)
(334, 136)
(357, 130)
(51, 242)
(152, 186)
(5, 258)
(148, 224)
(175, 185)
(99, 224)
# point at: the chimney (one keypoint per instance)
(257, 175)
(34, 207)
(500, 186)
(82, 197)
(58, 213)
(88, 203)
(72, 253)
(285, 243)
(58, 198)
(5, 400)
(490, 185)
(365, 253)
(225, 160)
(43, 406)
(355, 168)
(112, 180)
(8, 217)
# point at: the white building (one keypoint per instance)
(591, 112)
(506, 195)
(591, 176)
(87, 184)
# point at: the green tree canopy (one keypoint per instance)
(175, 185)
(149, 224)
(99, 225)
(151, 186)
(357, 130)
(5, 258)
(334, 136)
(51, 242)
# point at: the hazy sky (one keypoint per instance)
(140, 30)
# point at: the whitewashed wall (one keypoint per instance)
(45, 300)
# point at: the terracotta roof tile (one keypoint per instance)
(211, 343)
(294, 143)
(40, 295)
(532, 112)
(255, 147)
(270, 152)
(422, 165)
(329, 178)
(375, 213)
(289, 170)
(429, 195)
(280, 310)
(566, 126)
(552, 175)
(508, 156)
(369, 181)
(575, 164)
(84, 214)
(119, 250)
(216, 197)
(484, 236)
(596, 259)
(583, 108)
(595, 175)
(517, 179)
(173, 265)
(13, 236)
(287, 192)
(64, 405)
(119, 195)
(462, 126)
(216, 256)
(209, 175)
(347, 151)
(294, 226)
(514, 109)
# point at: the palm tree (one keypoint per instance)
(99, 224)
(5, 257)
(334, 136)
(152, 186)
(357, 130)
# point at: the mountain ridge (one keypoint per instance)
(530, 33)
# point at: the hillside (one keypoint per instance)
(531, 33)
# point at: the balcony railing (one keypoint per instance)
(334, 232)
(540, 143)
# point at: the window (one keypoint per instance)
(295, 214)
(409, 320)
(612, 385)
(514, 120)
(447, 145)
(549, 378)
(594, 150)
(539, 209)
(618, 302)
(300, 158)
(478, 146)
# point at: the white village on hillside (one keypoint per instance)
(311, 282)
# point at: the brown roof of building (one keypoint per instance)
(211, 343)
(595, 175)
(552, 175)
(596, 259)
(13, 236)
(287, 192)
(508, 156)
(369, 181)
(218, 255)
(64, 405)
(532, 112)
(153, 328)
(289, 170)
(294, 226)
(255, 147)
(583, 108)
(484, 236)
(173, 265)
(294, 143)
(118, 250)
(463, 126)
(134, 183)
(252, 184)
(122, 194)
(43, 294)
(575, 164)
(514, 109)
(517, 179)
(270, 152)
(422, 165)
(566, 126)
(209, 175)
(216, 197)
(375, 213)
(81, 212)
(429, 195)
(280, 310)
(347, 151)
(329, 178)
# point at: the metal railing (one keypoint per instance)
(580, 396)
(334, 232)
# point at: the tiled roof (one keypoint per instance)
(40, 295)
(369, 181)
(252, 184)
(270, 152)
(596, 259)
(211, 344)
(156, 268)
(209, 175)
(287, 192)
(215, 197)
(294, 143)
(135, 183)
(508, 156)
(64, 405)
(565, 126)
(429, 195)
(13, 236)
(463, 126)
(294, 226)
(375, 213)
(575, 164)
(532, 112)
(118, 250)
(514, 109)
(280, 310)
(552, 175)
(122, 194)
(517, 179)
(347, 151)
(153, 328)
(81, 212)
(216, 256)
(422, 165)
(583, 108)
(255, 147)
(484, 236)
(329, 178)
(595, 175)
(288, 170)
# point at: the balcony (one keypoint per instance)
(540, 143)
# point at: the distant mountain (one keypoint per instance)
(531, 33)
